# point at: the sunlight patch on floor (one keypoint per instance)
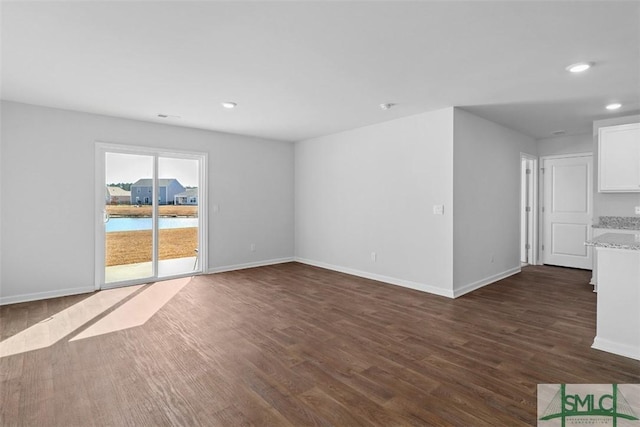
(53, 329)
(136, 311)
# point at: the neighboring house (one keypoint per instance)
(187, 197)
(142, 190)
(117, 196)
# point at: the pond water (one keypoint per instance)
(133, 224)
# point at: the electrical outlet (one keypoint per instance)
(252, 247)
(637, 210)
(374, 256)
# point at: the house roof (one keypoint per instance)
(117, 191)
(299, 70)
(148, 182)
(189, 192)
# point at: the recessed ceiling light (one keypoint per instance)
(387, 106)
(229, 105)
(613, 106)
(579, 67)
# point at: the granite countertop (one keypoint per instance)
(616, 241)
(619, 222)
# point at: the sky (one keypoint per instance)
(132, 167)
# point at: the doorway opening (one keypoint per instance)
(152, 215)
(528, 209)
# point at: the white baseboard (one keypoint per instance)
(367, 275)
(380, 278)
(486, 281)
(620, 349)
(249, 265)
(45, 295)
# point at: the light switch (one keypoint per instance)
(637, 210)
(438, 209)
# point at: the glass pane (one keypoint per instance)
(128, 218)
(177, 216)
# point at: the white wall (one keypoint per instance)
(48, 213)
(1, 197)
(366, 190)
(372, 190)
(569, 144)
(611, 204)
(486, 200)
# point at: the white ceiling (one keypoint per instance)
(303, 69)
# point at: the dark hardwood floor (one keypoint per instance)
(297, 345)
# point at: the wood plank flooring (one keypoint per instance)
(294, 345)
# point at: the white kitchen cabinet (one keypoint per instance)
(619, 158)
(599, 232)
(618, 307)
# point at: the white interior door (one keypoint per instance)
(567, 211)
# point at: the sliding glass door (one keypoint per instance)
(150, 215)
(128, 217)
(178, 244)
